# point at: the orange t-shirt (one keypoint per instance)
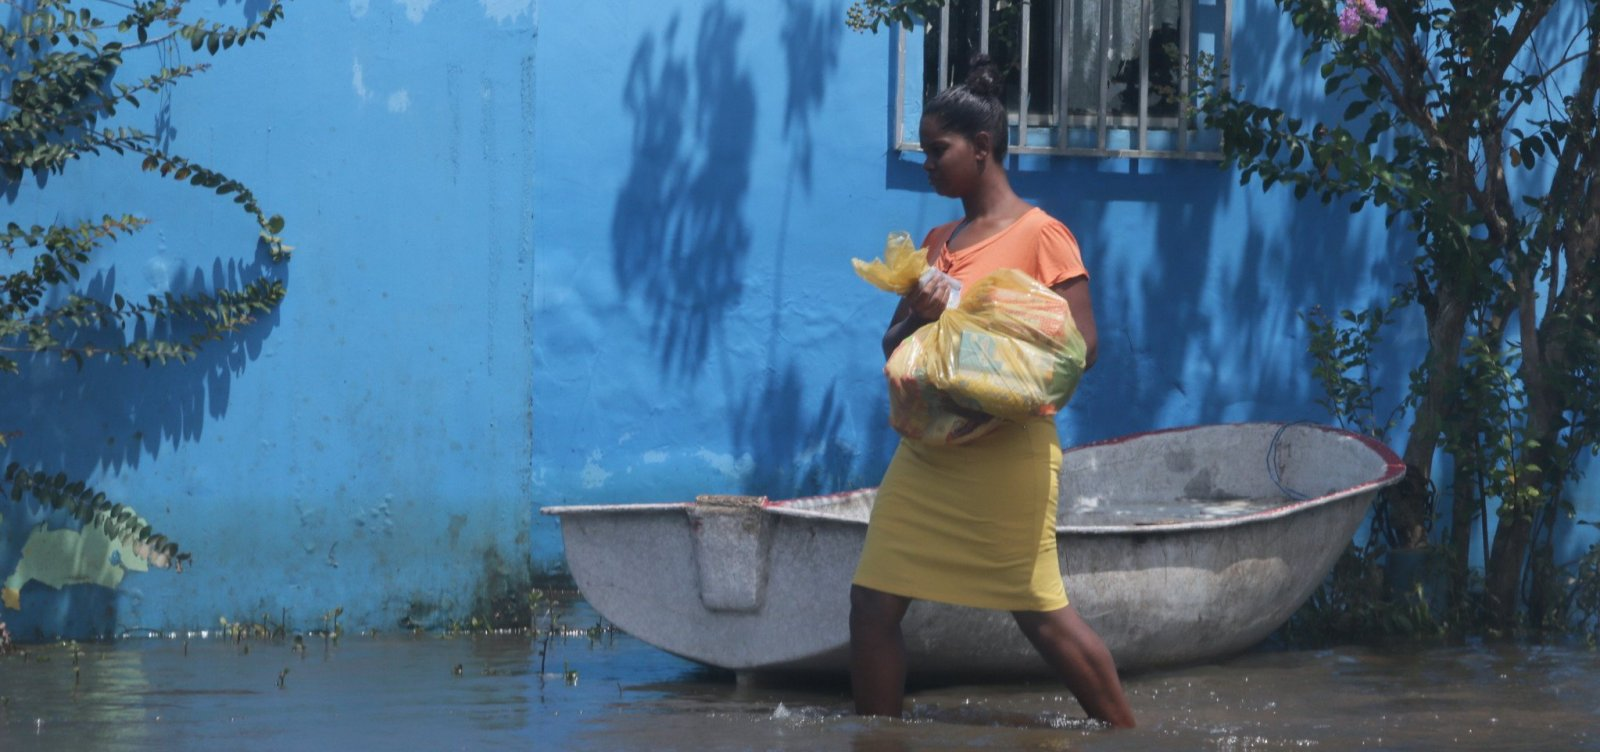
(1036, 244)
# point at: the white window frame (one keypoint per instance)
(1100, 134)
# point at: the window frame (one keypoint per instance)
(1066, 133)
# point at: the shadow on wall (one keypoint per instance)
(811, 38)
(797, 436)
(106, 417)
(1190, 332)
(1194, 313)
(1208, 327)
(109, 415)
(681, 242)
(679, 238)
(798, 440)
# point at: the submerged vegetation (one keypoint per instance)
(548, 641)
(60, 61)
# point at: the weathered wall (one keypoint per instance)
(368, 445)
(580, 252)
(702, 267)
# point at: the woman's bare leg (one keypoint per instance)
(877, 651)
(1080, 657)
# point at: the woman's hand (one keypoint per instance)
(930, 297)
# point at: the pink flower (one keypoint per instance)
(1358, 12)
(1349, 20)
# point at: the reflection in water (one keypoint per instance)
(402, 692)
(105, 690)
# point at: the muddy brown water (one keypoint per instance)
(405, 692)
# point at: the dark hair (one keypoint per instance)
(974, 106)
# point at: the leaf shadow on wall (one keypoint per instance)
(679, 236)
(811, 38)
(803, 443)
(1193, 314)
(110, 416)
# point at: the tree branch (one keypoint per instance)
(1564, 205)
(1529, 16)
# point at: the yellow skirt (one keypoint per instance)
(972, 524)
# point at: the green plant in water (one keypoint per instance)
(1357, 600)
(265, 629)
(553, 628)
(1583, 593)
(59, 61)
(544, 645)
(1473, 123)
(1342, 363)
(330, 620)
(536, 601)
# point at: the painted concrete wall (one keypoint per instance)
(581, 252)
(368, 445)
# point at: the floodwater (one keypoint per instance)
(611, 692)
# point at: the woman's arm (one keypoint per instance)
(1076, 293)
(923, 304)
(905, 322)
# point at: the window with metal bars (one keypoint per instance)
(1103, 78)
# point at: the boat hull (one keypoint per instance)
(1188, 553)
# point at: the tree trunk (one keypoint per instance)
(1503, 570)
(1504, 566)
(1447, 322)
(1464, 507)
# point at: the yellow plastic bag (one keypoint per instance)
(1009, 350)
(900, 268)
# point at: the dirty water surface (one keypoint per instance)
(607, 691)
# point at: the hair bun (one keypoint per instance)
(983, 77)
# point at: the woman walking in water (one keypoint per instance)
(974, 524)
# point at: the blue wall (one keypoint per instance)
(591, 252)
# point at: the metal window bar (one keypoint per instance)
(983, 26)
(1063, 63)
(1101, 121)
(1022, 93)
(944, 47)
(1185, 27)
(1146, 24)
(900, 87)
(1227, 40)
(1107, 44)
